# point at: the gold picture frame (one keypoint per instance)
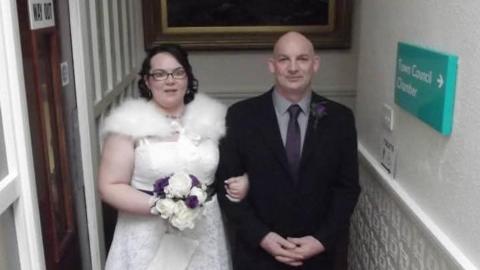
(195, 24)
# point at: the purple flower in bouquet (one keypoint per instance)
(159, 186)
(195, 181)
(192, 202)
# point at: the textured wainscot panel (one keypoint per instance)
(384, 236)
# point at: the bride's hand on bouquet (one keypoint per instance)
(237, 187)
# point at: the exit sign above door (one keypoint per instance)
(41, 13)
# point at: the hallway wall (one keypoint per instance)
(235, 75)
(429, 216)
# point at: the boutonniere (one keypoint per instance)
(317, 111)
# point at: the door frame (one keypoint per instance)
(42, 55)
(18, 188)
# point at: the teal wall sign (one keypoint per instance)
(425, 85)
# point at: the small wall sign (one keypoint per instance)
(41, 13)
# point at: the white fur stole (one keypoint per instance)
(139, 118)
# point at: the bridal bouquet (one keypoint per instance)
(179, 198)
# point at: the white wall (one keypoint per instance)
(234, 75)
(439, 174)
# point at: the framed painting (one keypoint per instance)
(245, 24)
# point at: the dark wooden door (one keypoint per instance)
(41, 51)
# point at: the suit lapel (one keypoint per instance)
(270, 131)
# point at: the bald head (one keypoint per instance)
(295, 39)
(293, 65)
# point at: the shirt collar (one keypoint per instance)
(282, 104)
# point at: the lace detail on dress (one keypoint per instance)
(140, 236)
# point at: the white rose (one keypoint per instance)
(184, 217)
(201, 195)
(166, 207)
(179, 185)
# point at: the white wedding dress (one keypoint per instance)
(148, 242)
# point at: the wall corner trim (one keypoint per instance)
(414, 211)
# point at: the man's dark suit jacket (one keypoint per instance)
(319, 203)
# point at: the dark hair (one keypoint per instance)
(181, 56)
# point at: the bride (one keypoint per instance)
(170, 130)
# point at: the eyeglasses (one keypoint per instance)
(162, 75)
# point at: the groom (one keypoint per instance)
(300, 153)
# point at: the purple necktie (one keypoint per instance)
(292, 145)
